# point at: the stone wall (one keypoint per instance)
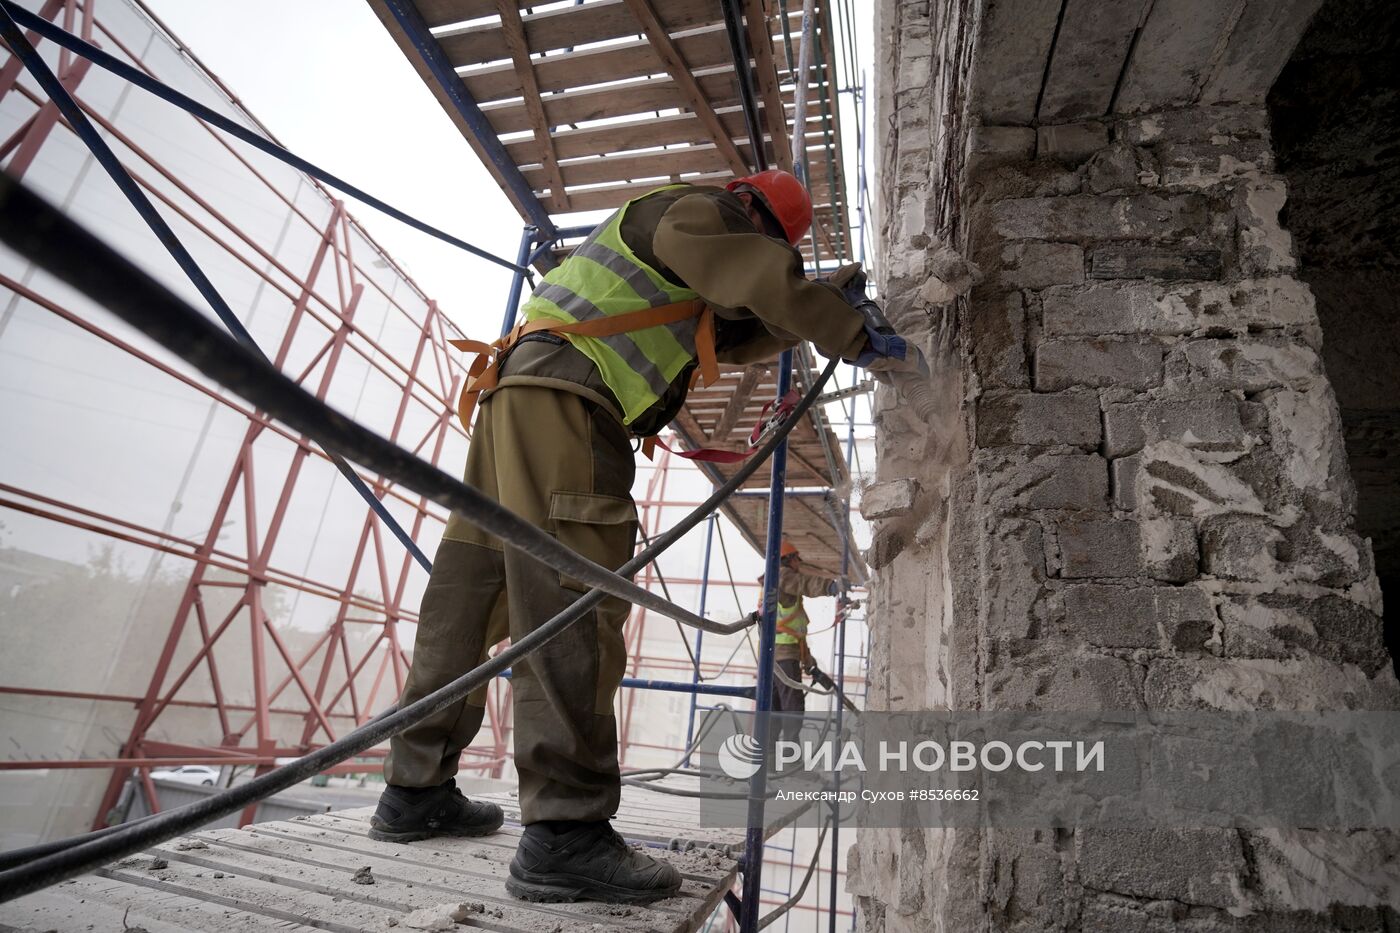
(1137, 498)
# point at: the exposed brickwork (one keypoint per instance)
(1145, 457)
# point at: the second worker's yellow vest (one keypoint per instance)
(792, 622)
(602, 277)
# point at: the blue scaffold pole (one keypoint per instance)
(763, 691)
(517, 279)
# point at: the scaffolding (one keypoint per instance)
(347, 305)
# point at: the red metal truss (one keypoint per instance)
(317, 685)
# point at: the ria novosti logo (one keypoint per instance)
(740, 756)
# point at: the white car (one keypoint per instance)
(189, 774)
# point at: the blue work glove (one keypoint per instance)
(850, 281)
(880, 347)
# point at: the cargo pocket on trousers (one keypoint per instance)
(604, 530)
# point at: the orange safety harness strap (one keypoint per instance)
(484, 371)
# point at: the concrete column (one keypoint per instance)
(1137, 498)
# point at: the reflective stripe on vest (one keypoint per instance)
(792, 622)
(602, 277)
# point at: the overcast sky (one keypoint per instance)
(329, 82)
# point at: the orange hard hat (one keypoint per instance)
(785, 198)
(788, 549)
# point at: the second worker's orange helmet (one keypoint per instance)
(785, 198)
(788, 549)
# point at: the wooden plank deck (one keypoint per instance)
(615, 66)
(323, 872)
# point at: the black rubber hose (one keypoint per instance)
(40, 233)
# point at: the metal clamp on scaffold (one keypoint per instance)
(782, 408)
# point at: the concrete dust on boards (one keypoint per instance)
(283, 876)
(439, 885)
(485, 878)
(102, 904)
(707, 871)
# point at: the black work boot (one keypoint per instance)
(559, 861)
(409, 813)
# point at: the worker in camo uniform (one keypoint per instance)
(791, 655)
(713, 274)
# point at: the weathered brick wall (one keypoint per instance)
(1139, 499)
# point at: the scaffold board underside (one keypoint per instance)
(299, 875)
(585, 106)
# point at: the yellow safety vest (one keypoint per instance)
(792, 622)
(603, 278)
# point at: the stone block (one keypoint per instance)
(1060, 681)
(1240, 547)
(1123, 473)
(1306, 683)
(997, 336)
(1097, 547)
(1139, 617)
(1070, 142)
(1016, 480)
(1038, 265)
(1018, 603)
(1169, 549)
(1208, 423)
(1014, 40)
(1130, 364)
(1329, 627)
(1100, 310)
(1132, 217)
(1120, 169)
(950, 276)
(990, 146)
(1249, 365)
(1024, 180)
(1305, 435)
(1202, 124)
(1167, 263)
(1161, 548)
(913, 74)
(1039, 419)
(1335, 557)
(1249, 630)
(1143, 308)
(1262, 303)
(889, 499)
(1175, 480)
(1208, 773)
(1194, 866)
(1203, 165)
